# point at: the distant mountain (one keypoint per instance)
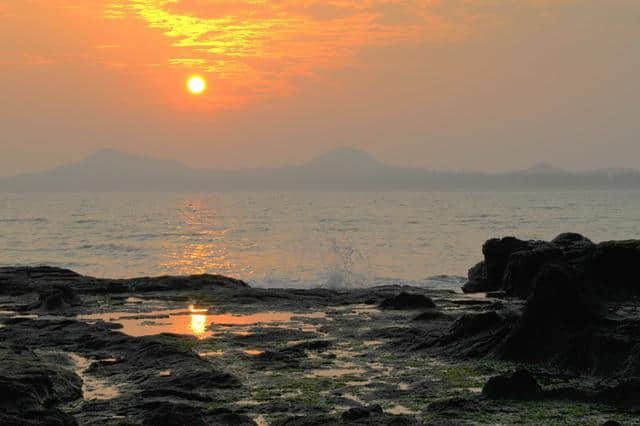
(339, 169)
(106, 170)
(111, 160)
(344, 159)
(544, 169)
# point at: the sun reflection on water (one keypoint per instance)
(198, 324)
(194, 321)
(201, 246)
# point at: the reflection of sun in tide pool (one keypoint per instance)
(198, 323)
(196, 84)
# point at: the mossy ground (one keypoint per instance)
(353, 371)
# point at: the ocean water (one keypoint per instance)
(297, 239)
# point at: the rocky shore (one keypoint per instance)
(544, 333)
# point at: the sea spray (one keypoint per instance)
(347, 266)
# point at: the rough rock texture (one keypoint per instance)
(357, 413)
(569, 303)
(408, 301)
(519, 385)
(569, 310)
(134, 361)
(22, 280)
(487, 275)
(31, 388)
(57, 298)
(606, 270)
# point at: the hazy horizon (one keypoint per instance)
(445, 85)
(347, 155)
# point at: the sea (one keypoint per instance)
(297, 239)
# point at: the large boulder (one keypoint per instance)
(523, 267)
(519, 385)
(608, 269)
(358, 413)
(611, 269)
(408, 301)
(478, 280)
(554, 312)
(488, 274)
(581, 305)
(568, 239)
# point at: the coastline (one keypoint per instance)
(211, 350)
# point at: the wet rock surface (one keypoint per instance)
(519, 385)
(548, 346)
(31, 387)
(408, 301)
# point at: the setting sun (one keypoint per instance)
(196, 85)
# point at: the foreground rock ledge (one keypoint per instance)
(23, 280)
(561, 326)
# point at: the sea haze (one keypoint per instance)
(299, 239)
(342, 169)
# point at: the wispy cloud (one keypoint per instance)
(259, 47)
(248, 49)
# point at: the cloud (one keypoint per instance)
(257, 48)
(248, 49)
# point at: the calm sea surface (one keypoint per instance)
(296, 239)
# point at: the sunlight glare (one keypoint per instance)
(196, 85)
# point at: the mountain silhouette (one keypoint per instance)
(344, 158)
(339, 169)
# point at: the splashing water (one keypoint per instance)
(347, 267)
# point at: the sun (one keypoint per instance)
(196, 84)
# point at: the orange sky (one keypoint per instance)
(423, 82)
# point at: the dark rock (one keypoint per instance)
(44, 417)
(570, 238)
(581, 305)
(321, 420)
(179, 414)
(457, 406)
(138, 362)
(517, 386)
(31, 387)
(173, 414)
(497, 294)
(274, 334)
(523, 266)
(56, 298)
(609, 269)
(22, 280)
(357, 413)
(472, 324)
(554, 316)
(279, 359)
(191, 282)
(471, 302)
(478, 280)
(311, 345)
(432, 315)
(611, 423)
(496, 256)
(626, 393)
(408, 301)
(470, 336)
(226, 417)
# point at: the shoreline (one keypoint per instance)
(211, 350)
